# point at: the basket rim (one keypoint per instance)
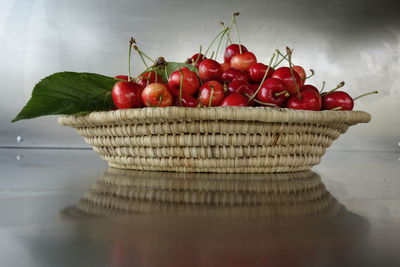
(173, 113)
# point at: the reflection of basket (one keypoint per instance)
(220, 139)
(273, 196)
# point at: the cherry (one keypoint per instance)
(197, 59)
(273, 91)
(309, 87)
(210, 69)
(337, 100)
(122, 77)
(257, 70)
(225, 66)
(235, 99)
(302, 74)
(149, 77)
(284, 74)
(307, 100)
(190, 82)
(186, 101)
(211, 93)
(156, 95)
(243, 61)
(232, 50)
(233, 75)
(240, 87)
(127, 95)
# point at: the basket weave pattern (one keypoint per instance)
(220, 139)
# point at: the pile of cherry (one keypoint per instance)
(239, 81)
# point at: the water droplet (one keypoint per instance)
(19, 157)
(20, 139)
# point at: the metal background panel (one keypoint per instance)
(356, 41)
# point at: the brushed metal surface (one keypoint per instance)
(356, 41)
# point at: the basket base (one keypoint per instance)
(275, 169)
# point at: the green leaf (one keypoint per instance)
(69, 93)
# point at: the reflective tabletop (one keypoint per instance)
(67, 208)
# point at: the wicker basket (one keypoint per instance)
(217, 139)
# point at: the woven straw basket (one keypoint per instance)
(215, 139)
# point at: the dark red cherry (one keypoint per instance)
(197, 59)
(211, 93)
(127, 95)
(337, 100)
(209, 70)
(308, 100)
(284, 74)
(149, 77)
(301, 72)
(257, 71)
(240, 87)
(186, 101)
(309, 87)
(273, 91)
(235, 99)
(232, 50)
(233, 75)
(190, 82)
(243, 61)
(122, 77)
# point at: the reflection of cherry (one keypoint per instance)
(273, 91)
(210, 69)
(235, 99)
(307, 100)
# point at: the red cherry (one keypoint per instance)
(273, 91)
(190, 82)
(243, 61)
(284, 74)
(211, 90)
(308, 100)
(122, 77)
(240, 87)
(197, 58)
(301, 72)
(233, 75)
(127, 95)
(156, 95)
(232, 50)
(225, 66)
(309, 87)
(210, 69)
(257, 71)
(186, 101)
(235, 99)
(337, 100)
(149, 77)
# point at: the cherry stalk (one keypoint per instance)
(263, 79)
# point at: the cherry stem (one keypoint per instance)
(237, 31)
(370, 93)
(180, 87)
(323, 86)
(289, 54)
(340, 85)
(263, 79)
(337, 108)
(160, 98)
(286, 93)
(211, 96)
(131, 42)
(283, 57)
(198, 57)
(212, 42)
(166, 72)
(229, 32)
(219, 43)
(312, 74)
(141, 53)
(212, 54)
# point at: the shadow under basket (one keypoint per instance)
(214, 139)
